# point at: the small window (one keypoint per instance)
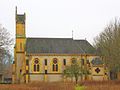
(27, 62)
(82, 61)
(88, 62)
(20, 70)
(13, 62)
(36, 61)
(45, 61)
(27, 71)
(38, 68)
(55, 60)
(56, 67)
(34, 68)
(20, 46)
(45, 71)
(64, 61)
(53, 67)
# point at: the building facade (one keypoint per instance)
(44, 59)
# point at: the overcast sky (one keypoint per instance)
(57, 18)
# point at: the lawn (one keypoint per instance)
(80, 87)
(38, 86)
(87, 85)
(102, 85)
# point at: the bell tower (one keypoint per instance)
(19, 48)
(20, 32)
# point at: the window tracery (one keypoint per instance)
(36, 65)
(55, 64)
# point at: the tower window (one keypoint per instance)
(13, 62)
(55, 64)
(64, 61)
(20, 46)
(27, 62)
(45, 61)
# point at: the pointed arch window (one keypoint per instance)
(36, 65)
(64, 61)
(45, 61)
(55, 64)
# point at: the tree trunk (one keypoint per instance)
(76, 79)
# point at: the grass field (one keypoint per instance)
(102, 85)
(38, 86)
(88, 85)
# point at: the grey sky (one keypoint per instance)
(57, 18)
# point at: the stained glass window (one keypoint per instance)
(36, 65)
(45, 61)
(64, 61)
(55, 64)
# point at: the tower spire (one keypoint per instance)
(16, 10)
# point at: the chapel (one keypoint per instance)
(44, 59)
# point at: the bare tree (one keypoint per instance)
(6, 43)
(108, 45)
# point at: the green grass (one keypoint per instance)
(77, 87)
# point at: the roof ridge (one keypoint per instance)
(46, 38)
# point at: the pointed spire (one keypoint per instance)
(16, 10)
(16, 13)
